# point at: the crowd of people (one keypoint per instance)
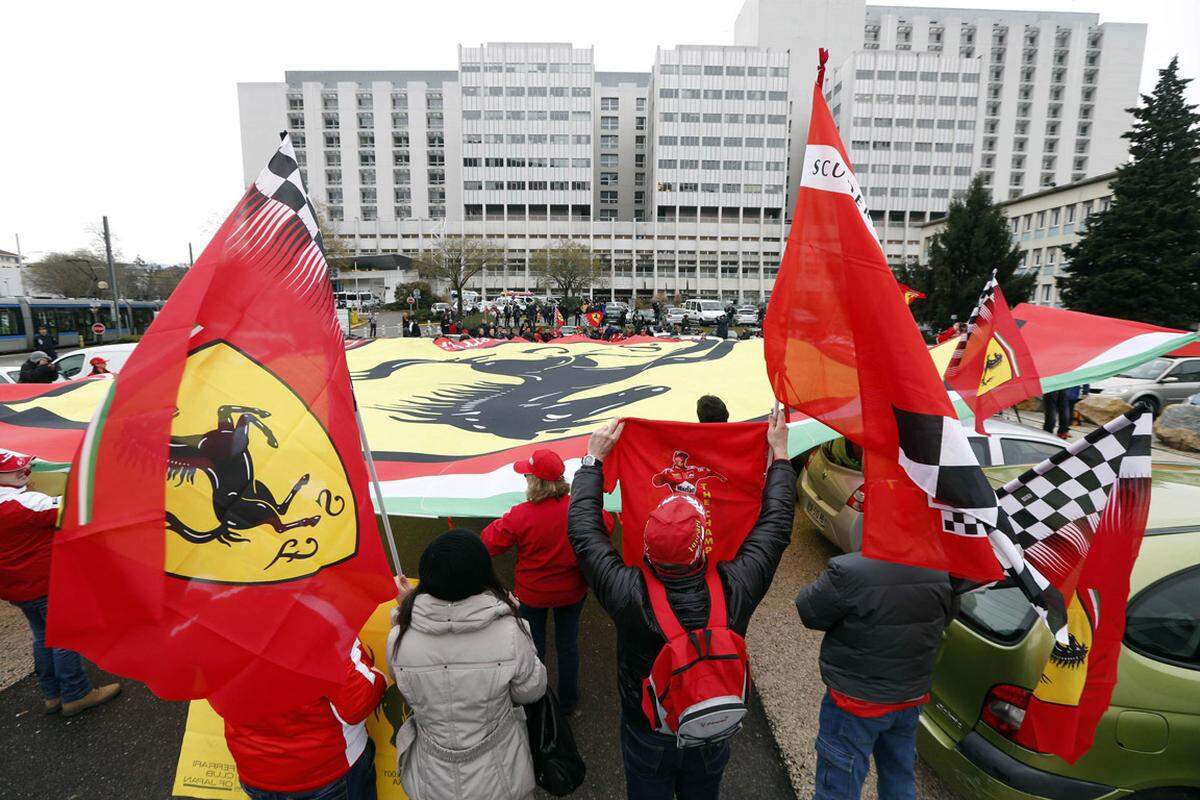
(467, 654)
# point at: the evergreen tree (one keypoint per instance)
(976, 241)
(1140, 258)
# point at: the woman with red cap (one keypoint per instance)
(547, 574)
(99, 367)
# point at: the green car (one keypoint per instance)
(1147, 744)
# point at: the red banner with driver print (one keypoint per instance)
(722, 465)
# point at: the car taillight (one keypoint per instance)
(857, 498)
(1004, 709)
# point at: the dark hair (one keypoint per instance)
(711, 408)
(493, 585)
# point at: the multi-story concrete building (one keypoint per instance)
(10, 275)
(1030, 99)
(1042, 224)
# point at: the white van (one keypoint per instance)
(703, 310)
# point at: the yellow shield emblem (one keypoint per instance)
(255, 490)
(1065, 673)
(998, 366)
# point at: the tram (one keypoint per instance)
(71, 319)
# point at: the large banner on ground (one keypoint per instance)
(206, 768)
(446, 420)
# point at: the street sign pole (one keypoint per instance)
(112, 276)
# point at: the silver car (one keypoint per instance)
(674, 315)
(1155, 384)
(831, 483)
(746, 315)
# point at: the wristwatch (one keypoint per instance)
(591, 461)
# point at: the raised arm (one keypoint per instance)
(614, 584)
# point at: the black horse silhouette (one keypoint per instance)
(240, 501)
(992, 361)
(539, 403)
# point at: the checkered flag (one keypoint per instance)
(982, 311)
(1050, 514)
(277, 229)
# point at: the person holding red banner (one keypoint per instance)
(674, 553)
(547, 574)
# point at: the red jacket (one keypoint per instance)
(313, 745)
(547, 574)
(27, 521)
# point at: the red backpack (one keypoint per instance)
(700, 682)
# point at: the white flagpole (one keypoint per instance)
(387, 524)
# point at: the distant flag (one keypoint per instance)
(594, 318)
(218, 538)
(991, 368)
(910, 295)
(558, 318)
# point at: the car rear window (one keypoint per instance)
(1163, 620)
(1003, 615)
(1027, 451)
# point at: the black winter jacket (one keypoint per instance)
(883, 626)
(621, 590)
(37, 373)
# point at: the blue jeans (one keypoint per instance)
(357, 784)
(655, 769)
(845, 744)
(59, 672)
(566, 643)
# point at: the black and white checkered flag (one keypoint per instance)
(1050, 514)
(982, 310)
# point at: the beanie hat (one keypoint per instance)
(674, 533)
(38, 355)
(455, 566)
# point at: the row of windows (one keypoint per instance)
(719, 94)
(718, 141)
(533, 186)
(496, 161)
(923, 122)
(710, 164)
(736, 119)
(913, 75)
(919, 147)
(901, 191)
(717, 69)
(717, 188)
(527, 91)
(918, 99)
(531, 114)
(536, 67)
(913, 169)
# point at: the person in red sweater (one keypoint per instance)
(547, 575)
(27, 523)
(318, 750)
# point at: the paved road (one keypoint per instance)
(127, 749)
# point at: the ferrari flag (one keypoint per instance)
(218, 538)
(721, 467)
(991, 368)
(910, 295)
(842, 347)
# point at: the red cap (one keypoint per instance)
(98, 360)
(544, 464)
(674, 533)
(11, 461)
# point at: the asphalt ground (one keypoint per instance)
(127, 749)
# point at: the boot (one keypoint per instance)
(53, 706)
(95, 697)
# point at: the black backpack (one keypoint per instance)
(557, 765)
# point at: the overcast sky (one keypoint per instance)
(130, 108)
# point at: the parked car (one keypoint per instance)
(1146, 743)
(10, 374)
(746, 315)
(77, 363)
(704, 311)
(1155, 384)
(674, 315)
(613, 309)
(643, 314)
(831, 482)
(437, 309)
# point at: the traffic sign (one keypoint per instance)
(98, 328)
(411, 300)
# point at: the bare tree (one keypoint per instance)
(333, 244)
(74, 274)
(455, 260)
(569, 267)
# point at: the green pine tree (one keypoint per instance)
(975, 241)
(1140, 258)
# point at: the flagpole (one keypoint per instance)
(387, 523)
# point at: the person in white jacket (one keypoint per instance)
(465, 663)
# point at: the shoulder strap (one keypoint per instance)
(660, 606)
(718, 617)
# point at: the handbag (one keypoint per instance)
(557, 765)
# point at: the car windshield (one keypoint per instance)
(1148, 371)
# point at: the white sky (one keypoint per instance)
(130, 108)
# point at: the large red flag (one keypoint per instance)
(991, 368)
(842, 347)
(723, 466)
(218, 537)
